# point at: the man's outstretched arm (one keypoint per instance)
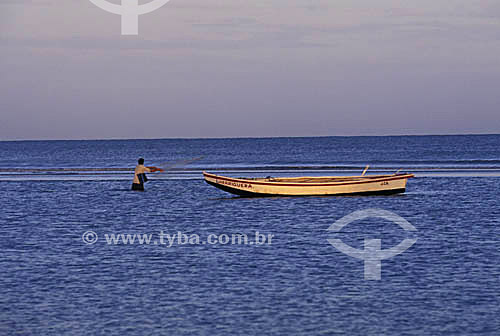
(155, 169)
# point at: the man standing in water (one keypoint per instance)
(140, 175)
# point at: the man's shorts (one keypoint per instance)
(138, 187)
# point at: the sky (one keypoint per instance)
(250, 68)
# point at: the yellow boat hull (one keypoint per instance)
(311, 186)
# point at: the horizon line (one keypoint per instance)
(253, 137)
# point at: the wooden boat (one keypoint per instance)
(311, 185)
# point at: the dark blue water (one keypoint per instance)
(52, 283)
(398, 151)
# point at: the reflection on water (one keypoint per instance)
(110, 175)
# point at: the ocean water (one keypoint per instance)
(54, 283)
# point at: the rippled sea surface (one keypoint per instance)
(54, 283)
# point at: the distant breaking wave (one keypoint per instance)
(108, 170)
